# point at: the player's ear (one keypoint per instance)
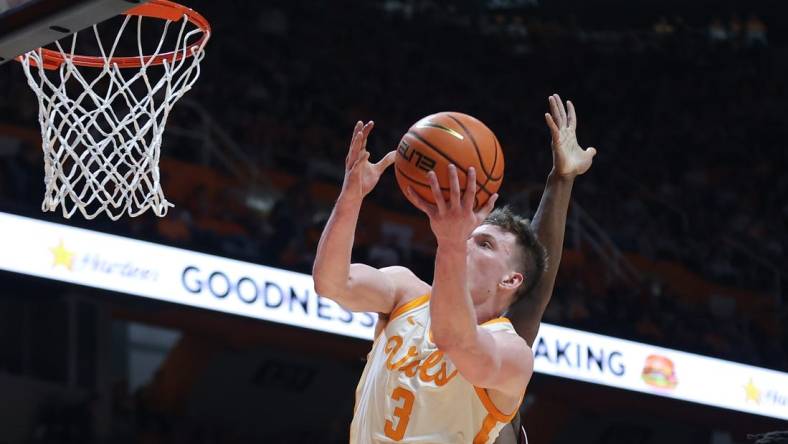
(512, 281)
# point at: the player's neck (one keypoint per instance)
(491, 308)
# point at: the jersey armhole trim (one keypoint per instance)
(501, 320)
(484, 397)
(415, 303)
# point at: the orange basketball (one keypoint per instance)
(444, 138)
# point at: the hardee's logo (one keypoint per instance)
(95, 262)
(752, 392)
(62, 256)
(764, 395)
(659, 372)
(431, 369)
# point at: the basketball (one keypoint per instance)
(438, 140)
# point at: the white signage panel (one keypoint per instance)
(174, 275)
(589, 357)
(115, 263)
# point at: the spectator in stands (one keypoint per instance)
(755, 32)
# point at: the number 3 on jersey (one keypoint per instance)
(402, 413)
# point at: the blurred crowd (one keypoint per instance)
(687, 120)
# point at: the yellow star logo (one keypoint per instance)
(62, 256)
(752, 392)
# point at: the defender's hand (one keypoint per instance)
(452, 220)
(569, 159)
(361, 175)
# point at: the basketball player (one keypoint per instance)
(445, 367)
(549, 223)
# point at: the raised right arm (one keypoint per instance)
(356, 287)
(569, 161)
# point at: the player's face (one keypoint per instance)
(491, 253)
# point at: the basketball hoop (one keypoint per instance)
(102, 130)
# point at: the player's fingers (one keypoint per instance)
(454, 187)
(440, 203)
(419, 202)
(363, 157)
(470, 189)
(554, 113)
(487, 208)
(368, 128)
(572, 115)
(365, 133)
(386, 161)
(591, 150)
(554, 133)
(561, 109)
(358, 147)
(356, 141)
(350, 158)
(356, 129)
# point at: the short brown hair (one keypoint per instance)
(533, 258)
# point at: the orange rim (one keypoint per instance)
(162, 9)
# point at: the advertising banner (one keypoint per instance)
(99, 260)
(84, 257)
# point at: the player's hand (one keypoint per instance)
(361, 175)
(569, 159)
(452, 220)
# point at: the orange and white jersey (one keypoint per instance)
(411, 393)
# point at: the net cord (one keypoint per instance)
(102, 151)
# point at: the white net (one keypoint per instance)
(101, 127)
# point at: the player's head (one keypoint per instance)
(504, 256)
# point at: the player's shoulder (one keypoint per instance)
(398, 271)
(405, 279)
(506, 336)
(408, 286)
(517, 366)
